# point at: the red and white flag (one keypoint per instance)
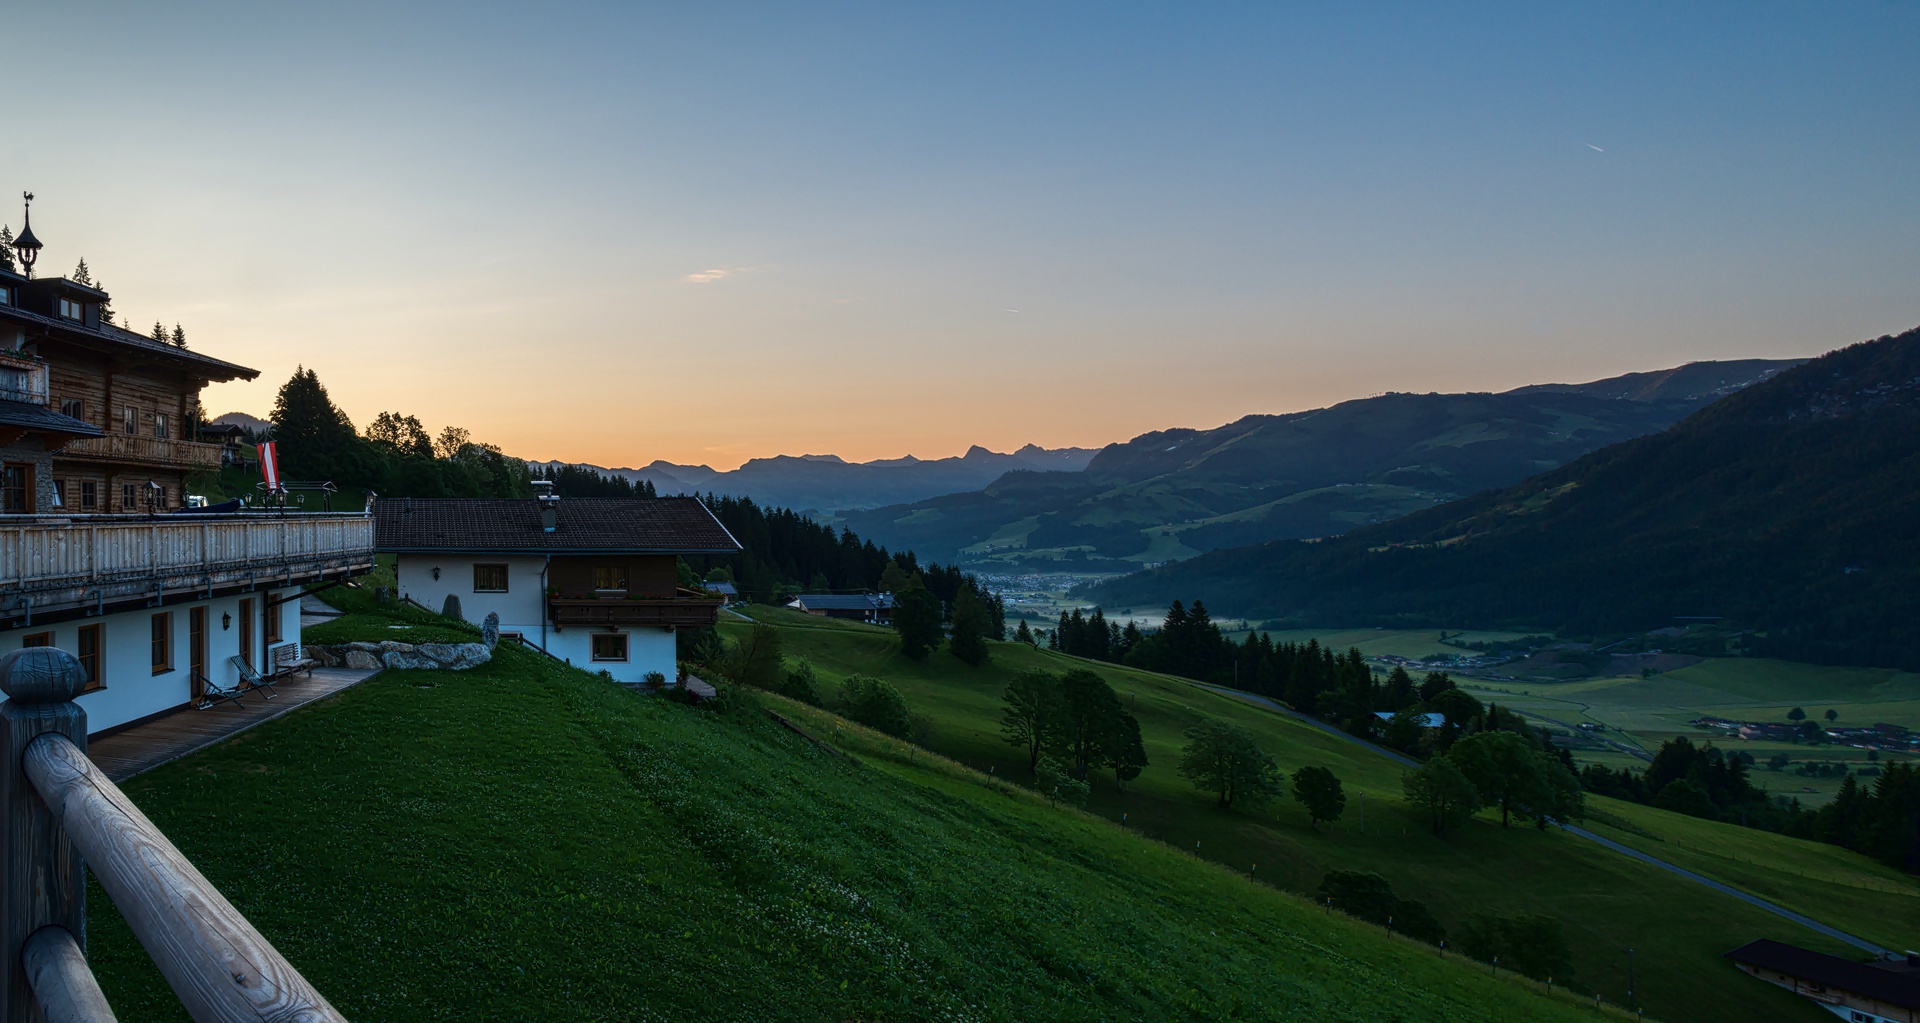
(270, 466)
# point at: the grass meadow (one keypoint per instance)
(525, 841)
(1606, 902)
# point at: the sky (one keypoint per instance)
(711, 232)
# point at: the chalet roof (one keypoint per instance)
(204, 365)
(585, 525)
(1895, 986)
(844, 601)
(33, 417)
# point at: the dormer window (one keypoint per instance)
(6, 295)
(69, 309)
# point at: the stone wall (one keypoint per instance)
(390, 654)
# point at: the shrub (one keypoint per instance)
(1056, 782)
(1532, 945)
(875, 703)
(801, 685)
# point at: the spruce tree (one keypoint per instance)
(916, 616)
(1023, 634)
(179, 337)
(81, 275)
(159, 332)
(6, 249)
(971, 621)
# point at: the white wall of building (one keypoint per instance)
(523, 608)
(132, 689)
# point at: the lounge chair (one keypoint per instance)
(251, 679)
(212, 693)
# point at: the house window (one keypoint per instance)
(73, 408)
(59, 493)
(89, 655)
(16, 488)
(610, 577)
(489, 578)
(37, 639)
(160, 425)
(129, 420)
(126, 496)
(6, 296)
(72, 310)
(609, 646)
(89, 495)
(162, 643)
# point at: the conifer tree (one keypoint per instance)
(179, 337)
(81, 275)
(972, 620)
(6, 248)
(916, 616)
(159, 332)
(1023, 634)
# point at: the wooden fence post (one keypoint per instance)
(42, 881)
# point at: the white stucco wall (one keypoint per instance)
(132, 689)
(523, 608)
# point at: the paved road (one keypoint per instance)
(1607, 843)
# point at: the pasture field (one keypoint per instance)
(1605, 901)
(526, 841)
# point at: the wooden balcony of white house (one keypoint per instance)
(135, 449)
(685, 608)
(51, 564)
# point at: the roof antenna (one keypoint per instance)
(27, 245)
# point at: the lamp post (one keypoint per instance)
(27, 246)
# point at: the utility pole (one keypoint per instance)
(1363, 810)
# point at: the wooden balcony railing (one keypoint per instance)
(666, 612)
(50, 563)
(22, 379)
(133, 449)
(64, 818)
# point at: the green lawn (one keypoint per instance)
(524, 841)
(1607, 902)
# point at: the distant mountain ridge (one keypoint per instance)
(1176, 493)
(1790, 509)
(828, 483)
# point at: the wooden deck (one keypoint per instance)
(145, 747)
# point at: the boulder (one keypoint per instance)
(490, 630)
(409, 659)
(361, 660)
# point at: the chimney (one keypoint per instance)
(549, 505)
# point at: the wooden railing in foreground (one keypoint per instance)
(62, 816)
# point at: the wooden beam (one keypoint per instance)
(63, 984)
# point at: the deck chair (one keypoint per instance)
(251, 679)
(212, 693)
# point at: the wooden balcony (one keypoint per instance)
(51, 564)
(22, 379)
(133, 449)
(684, 610)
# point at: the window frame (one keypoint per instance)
(161, 642)
(33, 639)
(615, 572)
(593, 648)
(89, 495)
(269, 622)
(18, 498)
(505, 577)
(129, 420)
(74, 408)
(161, 425)
(90, 660)
(129, 500)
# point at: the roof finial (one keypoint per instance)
(27, 245)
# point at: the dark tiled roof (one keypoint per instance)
(1895, 986)
(845, 601)
(642, 525)
(33, 417)
(219, 369)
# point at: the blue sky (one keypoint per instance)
(708, 232)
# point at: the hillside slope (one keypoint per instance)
(1175, 493)
(1791, 507)
(525, 841)
(1604, 901)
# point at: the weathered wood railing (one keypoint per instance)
(50, 562)
(134, 448)
(62, 816)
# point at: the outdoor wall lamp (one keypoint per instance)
(226, 621)
(436, 573)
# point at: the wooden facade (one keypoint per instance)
(142, 395)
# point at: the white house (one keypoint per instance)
(98, 554)
(593, 581)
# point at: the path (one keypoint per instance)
(145, 747)
(1605, 843)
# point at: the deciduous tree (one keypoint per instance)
(1032, 718)
(1319, 791)
(1226, 760)
(1441, 791)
